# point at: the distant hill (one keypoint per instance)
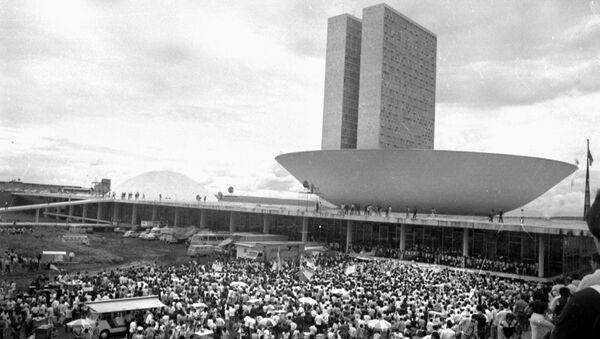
(175, 186)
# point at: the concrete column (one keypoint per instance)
(266, 223)
(83, 212)
(202, 218)
(541, 255)
(232, 221)
(176, 217)
(134, 214)
(465, 242)
(57, 212)
(37, 216)
(154, 211)
(70, 213)
(304, 229)
(99, 213)
(116, 213)
(465, 245)
(349, 227)
(402, 237)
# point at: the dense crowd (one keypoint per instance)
(453, 259)
(333, 296)
(248, 299)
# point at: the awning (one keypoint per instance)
(54, 253)
(364, 258)
(315, 249)
(251, 254)
(126, 304)
(225, 242)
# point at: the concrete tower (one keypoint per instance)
(396, 105)
(342, 73)
(379, 82)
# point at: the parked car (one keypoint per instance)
(131, 234)
(148, 236)
(169, 238)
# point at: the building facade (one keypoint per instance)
(549, 248)
(379, 82)
(342, 73)
(397, 82)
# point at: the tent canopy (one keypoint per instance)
(225, 242)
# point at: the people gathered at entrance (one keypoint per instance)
(239, 298)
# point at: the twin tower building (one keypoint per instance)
(379, 82)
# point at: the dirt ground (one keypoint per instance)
(107, 250)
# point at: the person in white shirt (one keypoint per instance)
(592, 278)
(447, 332)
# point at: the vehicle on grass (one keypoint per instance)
(154, 234)
(76, 238)
(148, 236)
(170, 239)
(208, 238)
(110, 314)
(150, 224)
(53, 257)
(166, 233)
(131, 234)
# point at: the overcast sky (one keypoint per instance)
(216, 89)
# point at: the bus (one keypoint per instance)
(208, 238)
(110, 314)
(76, 238)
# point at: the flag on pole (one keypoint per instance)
(586, 199)
(53, 267)
(279, 265)
(306, 274)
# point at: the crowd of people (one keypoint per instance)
(332, 295)
(248, 299)
(13, 262)
(453, 259)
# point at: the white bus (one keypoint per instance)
(111, 313)
(208, 238)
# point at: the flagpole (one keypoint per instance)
(586, 202)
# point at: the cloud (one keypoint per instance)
(566, 198)
(97, 162)
(216, 90)
(516, 82)
(279, 180)
(275, 185)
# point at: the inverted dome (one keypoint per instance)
(452, 182)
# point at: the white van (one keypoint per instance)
(111, 313)
(208, 238)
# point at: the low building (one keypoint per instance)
(268, 251)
